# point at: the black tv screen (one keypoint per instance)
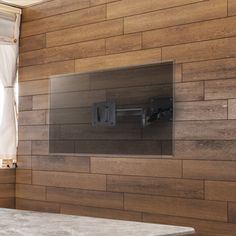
(125, 111)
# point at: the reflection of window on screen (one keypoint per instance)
(1, 101)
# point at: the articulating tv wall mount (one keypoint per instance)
(106, 113)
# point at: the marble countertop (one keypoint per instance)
(27, 223)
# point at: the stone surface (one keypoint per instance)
(27, 223)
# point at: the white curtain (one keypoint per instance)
(9, 38)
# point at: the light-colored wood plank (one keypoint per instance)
(205, 30)
(209, 70)
(176, 16)
(34, 87)
(156, 186)
(24, 162)
(98, 2)
(7, 176)
(61, 163)
(23, 176)
(219, 190)
(37, 132)
(142, 167)
(201, 110)
(191, 91)
(100, 212)
(209, 170)
(63, 53)
(206, 50)
(206, 149)
(32, 192)
(200, 209)
(220, 89)
(43, 71)
(69, 180)
(205, 130)
(51, 8)
(25, 103)
(32, 43)
(32, 205)
(118, 60)
(40, 147)
(232, 108)
(62, 21)
(129, 7)
(32, 118)
(84, 33)
(124, 43)
(231, 7)
(85, 197)
(24, 148)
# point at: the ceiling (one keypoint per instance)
(21, 3)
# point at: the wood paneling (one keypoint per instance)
(206, 130)
(156, 186)
(205, 50)
(210, 170)
(201, 110)
(206, 149)
(142, 167)
(176, 16)
(119, 60)
(32, 192)
(69, 180)
(33, 205)
(7, 176)
(53, 8)
(63, 53)
(61, 163)
(200, 209)
(7, 202)
(62, 21)
(209, 70)
(85, 197)
(232, 108)
(213, 29)
(219, 89)
(33, 43)
(129, 7)
(195, 187)
(85, 33)
(222, 191)
(7, 190)
(100, 212)
(43, 71)
(231, 7)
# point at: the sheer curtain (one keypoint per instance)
(9, 38)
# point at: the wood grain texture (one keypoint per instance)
(7, 190)
(52, 8)
(32, 118)
(219, 89)
(85, 33)
(7, 176)
(34, 87)
(216, 170)
(40, 102)
(25, 103)
(24, 148)
(232, 108)
(212, 29)
(24, 162)
(232, 212)
(32, 43)
(142, 167)
(85, 197)
(32, 192)
(209, 70)
(156, 186)
(23, 176)
(129, 7)
(170, 17)
(220, 190)
(39, 132)
(231, 7)
(199, 209)
(100, 212)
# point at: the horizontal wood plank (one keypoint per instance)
(200, 209)
(142, 167)
(7, 176)
(32, 43)
(231, 7)
(32, 192)
(232, 108)
(32, 118)
(37, 132)
(34, 87)
(23, 176)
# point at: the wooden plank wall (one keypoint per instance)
(194, 188)
(7, 188)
